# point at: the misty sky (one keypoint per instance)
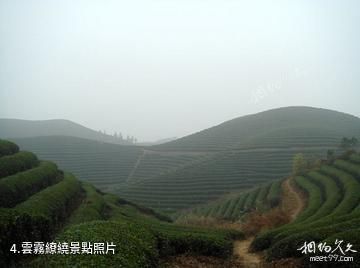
(158, 69)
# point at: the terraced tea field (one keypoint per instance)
(154, 163)
(283, 127)
(231, 157)
(233, 207)
(332, 212)
(207, 180)
(39, 202)
(101, 164)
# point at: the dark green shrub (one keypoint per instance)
(274, 194)
(355, 158)
(174, 243)
(332, 195)
(55, 202)
(288, 247)
(250, 200)
(7, 148)
(350, 187)
(348, 236)
(91, 208)
(18, 162)
(17, 188)
(348, 166)
(16, 228)
(177, 239)
(135, 246)
(315, 198)
(39, 217)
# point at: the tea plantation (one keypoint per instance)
(234, 206)
(39, 202)
(234, 156)
(209, 179)
(332, 212)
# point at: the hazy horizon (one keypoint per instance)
(165, 69)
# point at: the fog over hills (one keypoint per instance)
(17, 128)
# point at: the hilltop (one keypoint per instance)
(17, 128)
(281, 127)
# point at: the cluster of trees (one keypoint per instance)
(301, 165)
(119, 136)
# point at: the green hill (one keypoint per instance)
(284, 127)
(16, 128)
(39, 202)
(234, 156)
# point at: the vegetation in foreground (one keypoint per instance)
(45, 204)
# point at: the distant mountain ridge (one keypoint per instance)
(19, 128)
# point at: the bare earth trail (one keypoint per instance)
(246, 259)
(292, 203)
(136, 166)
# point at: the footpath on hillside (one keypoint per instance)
(246, 259)
(292, 203)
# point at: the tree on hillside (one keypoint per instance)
(330, 156)
(300, 164)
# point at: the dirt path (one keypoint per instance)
(247, 259)
(136, 166)
(292, 201)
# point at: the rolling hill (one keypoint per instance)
(231, 157)
(16, 128)
(42, 204)
(282, 127)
